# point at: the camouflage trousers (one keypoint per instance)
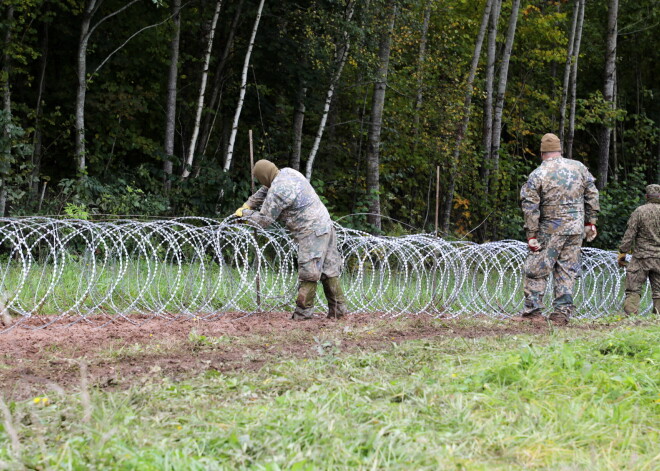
(319, 259)
(559, 256)
(637, 272)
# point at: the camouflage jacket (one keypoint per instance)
(643, 231)
(291, 199)
(558, 198)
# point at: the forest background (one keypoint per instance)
(142, 107)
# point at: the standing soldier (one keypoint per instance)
(560, 207)
(644, 234)
(287, 195)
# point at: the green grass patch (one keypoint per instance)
(568, 400)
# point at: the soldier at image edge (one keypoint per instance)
(560, 208)
(287, 195)
(642, 238)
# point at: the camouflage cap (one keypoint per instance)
(550, 143)
(653, 191)
(265, 171)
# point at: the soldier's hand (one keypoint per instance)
(621, 260)
(590, 232)
(239, 211)
(533, 244)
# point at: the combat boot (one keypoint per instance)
(335, 296)
(656, 306)
(305, 301)
(558, 318)
(631, 303)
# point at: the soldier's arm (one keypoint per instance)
(275, 202)
(630, 234)
(591, 204)
(255, 201)
(530, 199)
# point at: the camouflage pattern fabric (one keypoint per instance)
(643, 238)
(293, 201)
(643, 233)
(558, 198)
(559, 256)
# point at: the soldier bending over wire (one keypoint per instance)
(287, 195)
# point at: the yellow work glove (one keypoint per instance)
(621, 260)
(239, 211)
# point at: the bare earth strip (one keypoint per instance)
(121, 354)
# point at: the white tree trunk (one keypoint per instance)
(567, 71)
(568, 145)
(202, 92)
(298, 121)
(487, 137)
(342, 54)
(501, 85)
(241, 98)
(608, 92)
(170, 116)
(463, 125)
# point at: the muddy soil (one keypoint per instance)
(121, 353)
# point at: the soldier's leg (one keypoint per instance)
(309, 273)
(635, 279)
(654, 277)
(538, 266)
(565, 271)
(332, 265)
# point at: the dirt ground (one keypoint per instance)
(121, 354)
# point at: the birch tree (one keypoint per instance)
(608, 93)
(170, 116)
(487, 137)
(340, 60)
(202, 92)
(375, 126)
(567, 70)
(298, 121)
(421, 59)
(501, 86)
(241, 98)
(463, 124)
(568, 145)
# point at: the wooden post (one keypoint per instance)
(258, 280)
(437, 197)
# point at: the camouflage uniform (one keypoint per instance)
(643, 234)
(557, 200)
(292, 199)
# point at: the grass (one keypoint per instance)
(569, 400)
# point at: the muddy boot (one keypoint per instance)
(656, 306)
(559, 318)
(336, 300)
(305, 301)
(5, 318)
(631, 303)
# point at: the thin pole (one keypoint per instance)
(258, 280)
(437, 197)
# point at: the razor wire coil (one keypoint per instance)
(55, 271)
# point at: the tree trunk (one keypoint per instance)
(202, 91)
(6, 106)
(241, 98)
(501, 86)
(81, 89)
(567, 71)
(298, 120)
(568, 145)
(487, 138)
(608, 92)
(375, 126)
(37, 141)
(462, 126)
(170, 117)
(421, 59)
(218, 82)
(340, 60)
